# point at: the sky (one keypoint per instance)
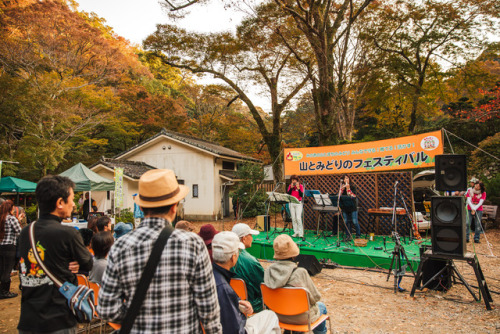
(137, 19)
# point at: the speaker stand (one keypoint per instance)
(398, 253)
(450, 266)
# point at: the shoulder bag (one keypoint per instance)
(80, 298)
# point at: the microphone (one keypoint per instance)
(395, 184)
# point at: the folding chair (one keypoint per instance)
(82, 279)
(239, 286)
(291, 301)
(96, 287)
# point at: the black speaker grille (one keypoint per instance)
(448, 225)
(451, 172)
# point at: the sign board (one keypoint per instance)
(118, 187)
(416, 151)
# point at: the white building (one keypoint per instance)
(206, 168)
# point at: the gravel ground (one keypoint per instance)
(363, 301)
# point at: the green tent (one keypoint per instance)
(11, 184)
(87, 180)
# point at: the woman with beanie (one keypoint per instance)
(284, 272)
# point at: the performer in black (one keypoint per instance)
(350, 214)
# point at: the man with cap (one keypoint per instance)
(284, 272)
(182, 293)
(233, 311)
(248, 268)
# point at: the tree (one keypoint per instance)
(254, 56)
(414, 34)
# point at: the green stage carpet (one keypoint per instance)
(327, 251)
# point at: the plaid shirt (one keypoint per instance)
(12, 231)
(182, 292)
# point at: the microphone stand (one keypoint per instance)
(267, 212)
(340, 214)
(394, 222)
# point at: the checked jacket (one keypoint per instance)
(182, 293)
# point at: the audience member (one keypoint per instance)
(87, 206)
(182, 292)
(101, 244)
(87, 235)
(9, 232)
(475, 199)
(207, 233)
(43, 307)
(103, 224)
(121, 229)
(184, 225)
(233, 311)
(248, 268)
(284, 272)
(92, 224)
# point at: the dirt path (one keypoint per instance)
(362, 301)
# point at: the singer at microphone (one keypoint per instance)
(350, 215)
(296, 190)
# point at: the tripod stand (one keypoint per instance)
(398, 254)
(394, 216)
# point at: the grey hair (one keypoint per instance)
(220, 257)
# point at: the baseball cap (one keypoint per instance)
(227, 242)
(242, 229)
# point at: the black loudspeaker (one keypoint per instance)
(430, 268)
(451, 172)
(310, 263)
(448, 225)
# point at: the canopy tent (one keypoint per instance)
(14, 185)
(87, 180)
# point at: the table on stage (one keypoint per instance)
(373, 213)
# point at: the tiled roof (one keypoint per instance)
(200, 143)
(132, 169)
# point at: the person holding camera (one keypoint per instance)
(296, 190)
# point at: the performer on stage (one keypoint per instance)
(296, 190)
(350, 215)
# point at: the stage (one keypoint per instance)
(346, 254)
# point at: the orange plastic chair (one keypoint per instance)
(82, 279)
(291, 301)
(95, 287)
(239, 286)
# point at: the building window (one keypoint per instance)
(180, 181)
(228, 165)
(195, 190)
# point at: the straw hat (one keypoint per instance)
(285, 247)
(159, 187)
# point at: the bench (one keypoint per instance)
(489, 214)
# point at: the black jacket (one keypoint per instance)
(43, 307)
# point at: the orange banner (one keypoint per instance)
(376, 156)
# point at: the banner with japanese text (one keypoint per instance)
(416, 151)
(118, 187)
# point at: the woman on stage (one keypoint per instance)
(296, 190)
(350, 215)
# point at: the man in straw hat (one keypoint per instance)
(182, 293)
(284, 272)
(233, 311)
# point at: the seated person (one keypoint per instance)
(121, 229)
(284, 272)
(248, 267)
(101, 244)
(184, 225)
(225, 248)
(103, 224)
(207, 233)
(87, 235)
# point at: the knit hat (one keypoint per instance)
(242, 230)
(285, 247)
(207, 233)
